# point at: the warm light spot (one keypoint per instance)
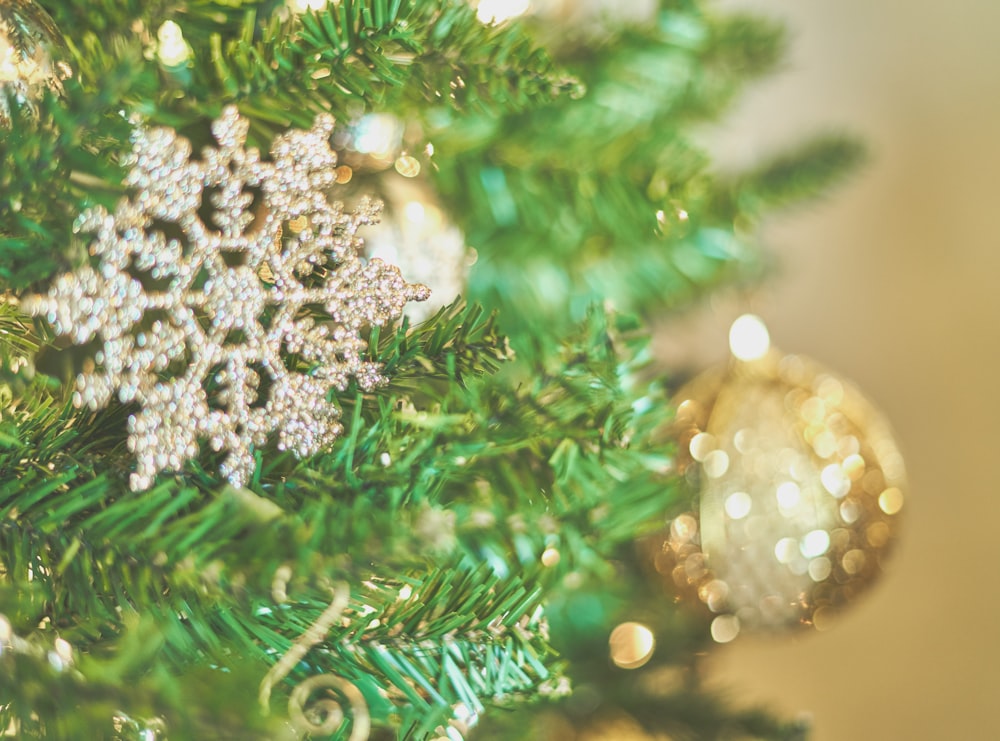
(716, 464)
(835, 480)
(694, 567)
(813, 410)
(497, 11)
(714, 594)
(688, 410)
(378, 134)
(877, 534)
(854, 561)
(301, 6)
(824, 618)
(830, 389)
(890, 501)
(64, 650)
(743, 440)
(415, 212)
(788, 494)
(738, 505)
(725, 628)
(850, 511)
(550, 557)
(786, 550)
(632, 645)
(701, 445)
(408, 166)
(748, 338)
(854, 467)
(683, 529)
(173, 49)
(825, 444)
(815, 543)
(344, 174)
(820, 568)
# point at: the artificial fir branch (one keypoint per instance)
(210, 547)
(614, 184)
(347, 58)
(791, 177)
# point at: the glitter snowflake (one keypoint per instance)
(226, 298)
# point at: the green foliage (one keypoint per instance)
(281, 69)
(404, 491)
(791, 177)
(613, 183)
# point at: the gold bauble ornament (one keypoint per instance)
(800, 486)
(31, 56)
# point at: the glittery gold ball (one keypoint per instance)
(800, 485)
(31, 55)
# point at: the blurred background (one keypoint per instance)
(893, 282)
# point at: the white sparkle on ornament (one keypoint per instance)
(815, 543)
(819, 569)
(738, 505)
(835, 480)
(748, 338)
(785, 550)
(788, 494)
(716, 464)
(701, 445)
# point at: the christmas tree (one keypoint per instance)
(257, 479)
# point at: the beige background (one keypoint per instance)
(894, 280)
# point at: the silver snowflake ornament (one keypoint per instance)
(227, 298)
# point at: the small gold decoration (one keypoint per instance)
(800, 486)
(631, 645)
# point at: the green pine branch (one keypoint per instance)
(282, 71)
(805, 172)
(613, 183)
(98, 551)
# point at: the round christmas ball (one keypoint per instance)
(416, 236)
(800, 485)
(32, 56)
